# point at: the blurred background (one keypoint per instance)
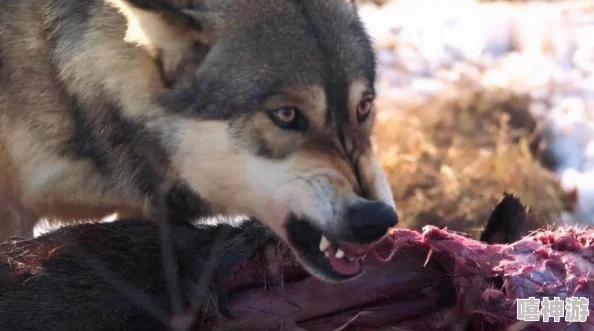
(481, 97)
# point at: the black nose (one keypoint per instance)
(371, 220)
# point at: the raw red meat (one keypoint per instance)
(440, 280)
(466, 285)
(98, 277)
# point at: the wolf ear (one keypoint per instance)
(165, 28)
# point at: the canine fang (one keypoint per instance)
(324, 244)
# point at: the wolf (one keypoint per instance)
(258, 108)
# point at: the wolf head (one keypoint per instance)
(271, 108)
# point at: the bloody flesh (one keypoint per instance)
(98, 277)
(439, 280)
(461, 281)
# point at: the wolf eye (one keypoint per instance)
(363, 109)
(289, 118)
(285, 115)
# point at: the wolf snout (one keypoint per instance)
(370, 220)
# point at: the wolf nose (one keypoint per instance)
(371, 220)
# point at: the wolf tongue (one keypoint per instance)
(342, 266)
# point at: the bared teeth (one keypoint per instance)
(324, 244)
(340, 254)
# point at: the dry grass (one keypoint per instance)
(450, 160)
